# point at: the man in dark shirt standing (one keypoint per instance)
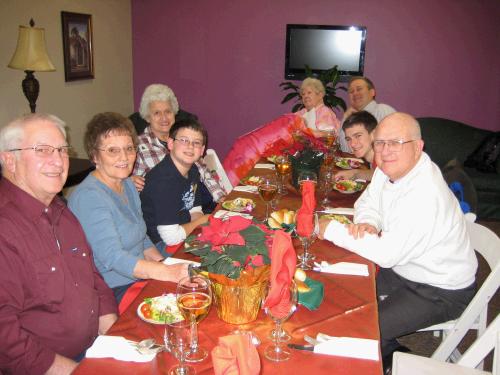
(53, 301)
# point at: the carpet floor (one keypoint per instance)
(424, 343)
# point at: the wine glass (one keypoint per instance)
(178, 339)
(326, 186)
(307, 175)
(283, 168)
(277, 351)
(329, 159)
(194, 297)
(329, 137)
(267, 191)
(306, 257)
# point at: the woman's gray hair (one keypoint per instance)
(314, 83)
(11, 135)
(160, 93)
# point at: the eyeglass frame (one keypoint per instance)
(187, 142)
(119, 150)
(390, 143)
(41, 153)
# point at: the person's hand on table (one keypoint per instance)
(105, 322)
(175, 272)
(359, 230)
(138, 182)
(323, 223)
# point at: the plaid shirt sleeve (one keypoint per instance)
(212, 184)
(149, 153)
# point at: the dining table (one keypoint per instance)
(348, 309)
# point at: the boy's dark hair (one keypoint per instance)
(361, 118)
(189, 123)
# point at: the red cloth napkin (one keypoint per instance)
(235, 355)
(130, 295)
(283, 264)
(306, 211)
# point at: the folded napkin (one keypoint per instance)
(235, 355)
(348, 347)
(283, 263)
(264, 166)
(305, 213)
(339, 211)
(118, 348)
(342, 268)
(169, 261)
(247, 189)
(313, 298)
(222, 213)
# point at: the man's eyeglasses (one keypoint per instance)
(45, 150)
(186, 142)
(393, 145)
(115, 151)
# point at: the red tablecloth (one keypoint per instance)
(342, 293)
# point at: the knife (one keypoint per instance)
(309, 348)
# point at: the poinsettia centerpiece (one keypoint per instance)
(231, 245)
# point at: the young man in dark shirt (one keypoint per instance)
(171, 200)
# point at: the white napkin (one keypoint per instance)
(247, 189)
(339, 211)
(118, 348)
(264, 166)
(221, 213)
(169, 261)
(342, 268)
(348, 347)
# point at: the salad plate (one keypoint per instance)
(239, 205)
(348, 163)
(348, 186)
(251, 180)
(340, 218)
(154, 310)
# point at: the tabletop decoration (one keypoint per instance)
(235, 253)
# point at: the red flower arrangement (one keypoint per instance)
(229, 246)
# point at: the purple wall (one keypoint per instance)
(224, 59)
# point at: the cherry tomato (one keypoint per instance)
(341, 187)
(146, 310)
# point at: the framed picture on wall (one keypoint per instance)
(77, 46)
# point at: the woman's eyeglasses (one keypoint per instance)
(115, 151)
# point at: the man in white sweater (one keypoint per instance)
(410, 223)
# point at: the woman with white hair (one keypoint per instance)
(317, 116)
(158, 107)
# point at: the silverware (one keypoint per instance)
(309, 348)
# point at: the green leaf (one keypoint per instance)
(289, 96)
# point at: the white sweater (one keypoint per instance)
(423, 234)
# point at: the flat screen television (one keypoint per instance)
(321, 47)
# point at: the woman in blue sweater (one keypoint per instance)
(108, 206)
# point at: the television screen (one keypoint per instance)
(321, 47)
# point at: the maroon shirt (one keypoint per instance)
(51, 294)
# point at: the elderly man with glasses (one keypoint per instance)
(410, 224)
(53, 301)
(171, 201)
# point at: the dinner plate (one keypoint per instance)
(340, 218)
(251, 180)
(239, 205)
(348, 186)
(348, 163)
(165, 300)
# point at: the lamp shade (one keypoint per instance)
(30, 51)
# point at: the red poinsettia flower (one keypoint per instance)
(224, 232)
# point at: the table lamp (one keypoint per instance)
(31, 56)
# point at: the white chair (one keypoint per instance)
(486, 243)
(410, 364)
(213, 163)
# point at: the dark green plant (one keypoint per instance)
(330, 79)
